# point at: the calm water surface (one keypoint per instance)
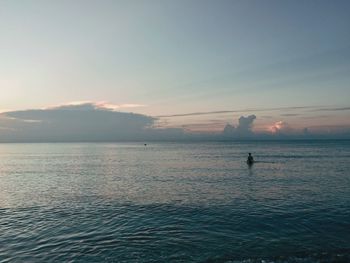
(175, 202)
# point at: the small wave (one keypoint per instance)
(341, 257)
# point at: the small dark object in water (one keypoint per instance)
(145, 144)
(250, 159)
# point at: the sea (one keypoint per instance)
(175, 202)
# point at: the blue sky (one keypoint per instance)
(179, 57)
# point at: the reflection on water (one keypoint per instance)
(172, 201)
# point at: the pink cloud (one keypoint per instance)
(280, 127)
(96, 105)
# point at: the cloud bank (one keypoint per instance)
(76, 122)
(101, 122)
(282, 130)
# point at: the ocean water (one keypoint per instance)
(175, 202)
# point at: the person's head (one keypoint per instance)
(249, 154)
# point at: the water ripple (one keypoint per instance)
(182, 203)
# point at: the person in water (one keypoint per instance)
(250, 159)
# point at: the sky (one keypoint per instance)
(193, 65)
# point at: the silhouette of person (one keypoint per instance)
(250, 159)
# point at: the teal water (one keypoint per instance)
(175, 202)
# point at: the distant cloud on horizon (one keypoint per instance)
(73, 122)
(101, 121)
(243, 129)
(281, 127)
